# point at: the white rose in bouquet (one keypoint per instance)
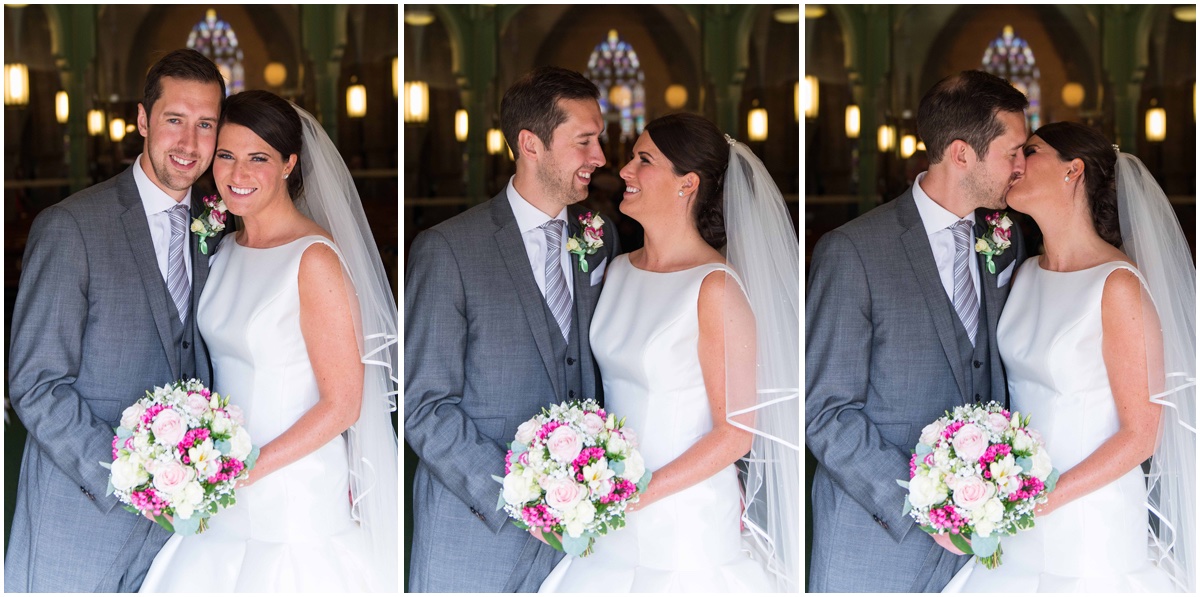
(972, 492)
(518, 489)
(1041, 464)
(635, 467)
(578, 517)
(931, 432)
(131, 415)
(969, 442)
(527, 431)
(563, 494)
(239, 444)
(127, 472)
(925, 491)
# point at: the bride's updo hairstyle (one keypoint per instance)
(275, 121)
(1073, 140)
(693, 144)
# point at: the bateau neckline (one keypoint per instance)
(678, 271)
(290, 242)
(1038, 262)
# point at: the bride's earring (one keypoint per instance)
(285, 176)
(680, 192)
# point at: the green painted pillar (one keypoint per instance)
(323, 34)
(1125, 60)
(869, 65)
(74, 52)
(475, 32)
(726, 58)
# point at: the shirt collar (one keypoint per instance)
(935, 217)
(154, 199)
(528, 216)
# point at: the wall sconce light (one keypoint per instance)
(1073, 95)
(908, 146)
(275, 74)
(1156, 124)
(460, 125)
(356, 101)
(396, 77)
(796, 97)
(495, 141)
(920, 146)
(416, 101)
(853, 121)
(676, 96)
(756, 123)
(810, 96)
(16, 84)
(95, 123)
(887, 138)
(116, 129)
(62, 108)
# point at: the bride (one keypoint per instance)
(674, 334)
(301, 326)
(1098, 339)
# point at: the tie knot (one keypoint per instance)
(553, 230)
(962, 230)
(178, 213)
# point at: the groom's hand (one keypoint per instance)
(944, 541)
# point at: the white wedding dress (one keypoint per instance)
(291, 530)
(1050, 338)
(644, 335)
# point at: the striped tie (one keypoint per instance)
(177, 281)
(965, 302)
(558, 298)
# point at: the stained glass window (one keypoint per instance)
(615, 69)
(215, 39)
(1010, 57)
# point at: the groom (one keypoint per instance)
(900, 326)
(105, 311)
(496, 318)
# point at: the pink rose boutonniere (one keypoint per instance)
(211, 220)
(590, 242)
(997, 240)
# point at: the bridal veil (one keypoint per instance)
(764, 250)
(330, 198)
(1152, 237)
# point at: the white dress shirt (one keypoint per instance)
(529, 218)
(156, 202)
(937, 222)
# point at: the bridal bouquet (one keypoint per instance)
(572, 470)
(179, 452)
(978, 473)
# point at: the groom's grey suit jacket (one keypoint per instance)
(93, 328)
(483, 354)
(886, 354)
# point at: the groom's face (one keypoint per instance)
(180, 133)
(565, 167)
(990, 177)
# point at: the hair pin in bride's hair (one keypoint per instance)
(730, 140)
(1116, 148)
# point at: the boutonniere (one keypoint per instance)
(211, 220)
(997, 239)
(590, 242)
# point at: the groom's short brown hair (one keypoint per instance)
(964, 106)
(532, 102)
(186, 64)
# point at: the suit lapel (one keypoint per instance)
(141, 246)
(516, 260)
(586, 297)
(920, 258)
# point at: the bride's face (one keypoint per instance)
(249, 172)
(651, 186)
(1043, 179)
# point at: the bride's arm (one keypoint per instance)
(328, 328)
(724, 444)
(1125, 325)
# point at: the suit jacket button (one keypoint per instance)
(570, 361)
(186, 345)
(571, 394)
(977, 363)
(977, 398)
(88, 494)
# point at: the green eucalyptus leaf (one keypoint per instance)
(985, 546)
(960, 543)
